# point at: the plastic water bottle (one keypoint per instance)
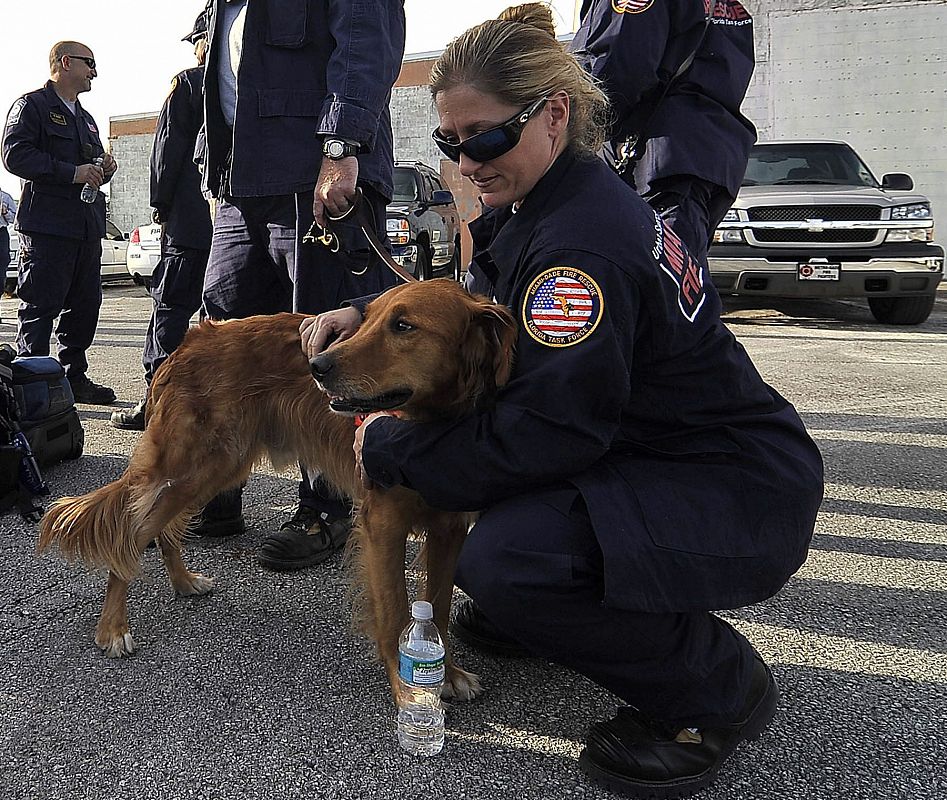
(421, 669)
(89, 192)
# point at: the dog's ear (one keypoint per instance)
(487, 351)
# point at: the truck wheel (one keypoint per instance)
(422, 267)
(454, 266)
(901, 310)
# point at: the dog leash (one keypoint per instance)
(330, 239)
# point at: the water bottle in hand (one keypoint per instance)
(89, 192)
(421, 670)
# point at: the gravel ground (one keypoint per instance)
(260, 690)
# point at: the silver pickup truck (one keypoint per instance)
(811, 220)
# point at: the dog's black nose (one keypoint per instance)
(321, 365)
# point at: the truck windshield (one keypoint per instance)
(782, 164)
(406, 188)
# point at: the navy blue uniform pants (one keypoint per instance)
(259, 265)
(534, 567)
(692, 207)
(176, 291)
(4, 250)
(59, 277)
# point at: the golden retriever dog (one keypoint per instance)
(236, 393)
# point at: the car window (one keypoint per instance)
(772, 165)
(405, 189)
(112, 232)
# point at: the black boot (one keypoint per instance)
(222, 516)
(308, 538)
(636, 756)
(87, 391)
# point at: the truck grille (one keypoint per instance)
(802, 213)
(813, 237)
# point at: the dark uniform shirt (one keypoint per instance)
(701, 482)
(43, 143)
(175, 178)
(308, 68)
(635, 46)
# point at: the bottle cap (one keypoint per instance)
(422, 609)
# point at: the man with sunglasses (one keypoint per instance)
(53, 144)
(675, 72)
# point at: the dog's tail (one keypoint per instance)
(108, 527)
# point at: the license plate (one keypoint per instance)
(819, 271)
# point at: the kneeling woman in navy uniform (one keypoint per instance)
(636, 472)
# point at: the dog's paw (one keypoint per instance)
(460, 684)
(195, 584)
(116, 645)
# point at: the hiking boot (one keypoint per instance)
(308, 538)
(87, 391)
(133, 420)
(222, 516)
(471, 626)
(636, 756)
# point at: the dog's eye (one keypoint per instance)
(401, 326)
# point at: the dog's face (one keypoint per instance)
(429, 349)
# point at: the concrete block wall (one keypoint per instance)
(128, 205)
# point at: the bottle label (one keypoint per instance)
(421, 672)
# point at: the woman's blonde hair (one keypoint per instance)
(517, 59)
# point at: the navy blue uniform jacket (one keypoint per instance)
(309, 68)
(634, 46)
(701, 482)
(175, 178)
(43, 143)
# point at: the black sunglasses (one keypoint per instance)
(90, 62)
(492, 143)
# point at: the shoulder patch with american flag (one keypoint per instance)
(631, 6)
(562, 307)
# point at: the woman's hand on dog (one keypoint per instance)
(317, 333)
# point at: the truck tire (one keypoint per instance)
(422, 270)
(901, 310)
(455, 267)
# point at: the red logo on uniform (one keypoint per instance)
(686, 273)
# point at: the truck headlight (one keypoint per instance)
(911, 235)
(398, 231)
(913, 211)
(731, 216)
(728, 236)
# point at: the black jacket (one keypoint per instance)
(43, 143)
(635, 46)
(175, 178)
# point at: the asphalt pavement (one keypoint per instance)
(261, 690)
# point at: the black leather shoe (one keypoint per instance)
(639, 757)
(471, 626)
(222, 516)
(87, 391)
(133, 420)
(307, 539)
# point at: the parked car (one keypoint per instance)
(811, 220)
(423, 223)
(114, 245)
(144, 253)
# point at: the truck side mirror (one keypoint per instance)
(441, 197)
(897, 181)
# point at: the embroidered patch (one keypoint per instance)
(92, 127)
(562, 307)
(57, 118)
(631, 6)
(15, 110)
(684, 271)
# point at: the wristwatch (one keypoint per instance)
(336, 149)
